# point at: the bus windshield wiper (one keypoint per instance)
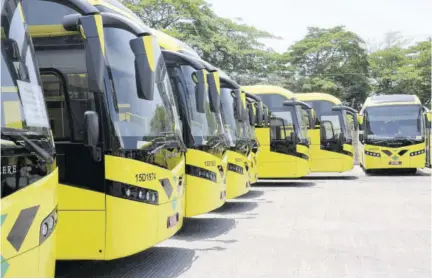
(15, 134)
(159, 145)
(405, 139)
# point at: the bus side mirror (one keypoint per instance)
(142, 48)
(214, 91)
(10, 47)
(91, 133)
(312, 118)
(201, 91)
(428, 119)
(327, 130)
(238, 105)
(93, 33)
(260, 115)
(251, 115)
(266, 118)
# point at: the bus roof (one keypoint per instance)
(316, 96)
(392, 99)
(170, 43)
(268, 89)
(165, 41)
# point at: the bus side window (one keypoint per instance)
(54, 92)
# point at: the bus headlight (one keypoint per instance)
(47, 226)
(373, 154)
(416, 153)
(131, 192)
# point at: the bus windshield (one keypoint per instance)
(138, 121)
(232, 125)
(292, 119)
(204, 127)
(388, 122)
(22, 100)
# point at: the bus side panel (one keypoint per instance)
(74, 198)
(23, 266)
(81, 229)
(276, 165)
(253, 168)
(203, 195)
(131, 227)
(237, 184)
(134, 226)
(322, 160)
(48, 255)
(27, 208)
(81, 235)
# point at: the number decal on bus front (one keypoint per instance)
(210, 163)
(144, 177)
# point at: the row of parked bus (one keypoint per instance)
(112, 133)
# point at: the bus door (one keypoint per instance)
(332, 140)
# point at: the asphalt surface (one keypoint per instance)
(345, 225)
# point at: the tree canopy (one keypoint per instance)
(333, 60)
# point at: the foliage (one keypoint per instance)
(403, 70)
(333, 60)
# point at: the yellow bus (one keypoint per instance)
(256, 120)
(233, 116)
(202, 131)
(331, 148)
(284, 145)
(119, 150)
(29, 175)
(393, 133)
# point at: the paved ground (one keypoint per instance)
(348, 225)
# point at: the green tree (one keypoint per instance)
(230, 45)
(403, 70)
(330, 60)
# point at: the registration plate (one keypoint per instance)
(395, 163)
(173, 220)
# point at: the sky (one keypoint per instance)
(370, 19)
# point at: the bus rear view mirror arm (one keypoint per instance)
(95, 60)
(144, 66)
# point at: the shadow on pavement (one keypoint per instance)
(233, 206)
(294, 184)
(203, 228)
(252, 194)
(156, 262)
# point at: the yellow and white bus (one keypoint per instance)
(238, 181)
(120, 154)
(284, 145)
(331, 148)
(393, 133)
(29, 174)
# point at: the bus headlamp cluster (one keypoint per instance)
(201, 173)
(419, 152)
(48, 225)
(235, 168)
(373, 154)
(140, 194)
